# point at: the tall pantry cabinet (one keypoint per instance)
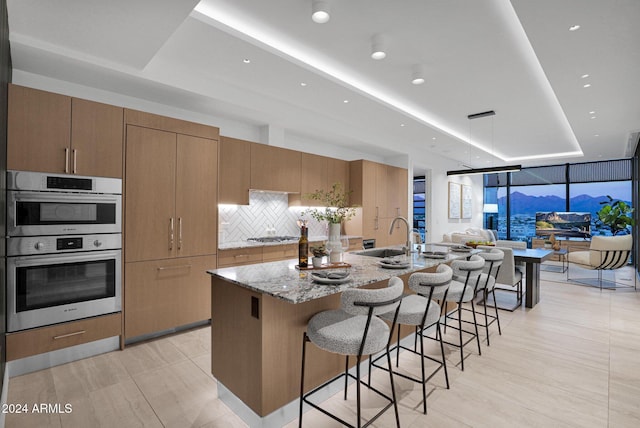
(382, 193)
(170, 231)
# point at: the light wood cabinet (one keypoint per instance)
(149, 194)
(313, 177)
(196, 190)
(46, 339)
(234, 171)
(275, 169)
(338, 172)
(170, 237)
(239, 256)
(251, 255)
(319, 173)
(381, 193)
(163, 294)
(55, 133)
(274, 253)
(96, 138)
(170, 200)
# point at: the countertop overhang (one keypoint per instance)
(281, 279)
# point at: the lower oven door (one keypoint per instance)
(44, 290)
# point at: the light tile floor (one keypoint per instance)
(572, 361)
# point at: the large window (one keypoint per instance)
(571, 187)
(419, 206)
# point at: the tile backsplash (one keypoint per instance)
(265, 210)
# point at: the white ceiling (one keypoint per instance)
(517, 58)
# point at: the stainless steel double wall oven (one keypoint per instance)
(63, 248)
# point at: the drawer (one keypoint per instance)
(45, 339)
(355, 244)
(273, 253)
(239, 256)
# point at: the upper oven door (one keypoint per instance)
(48, 213)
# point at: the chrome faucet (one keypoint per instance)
(407, 249)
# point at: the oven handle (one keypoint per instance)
(64, 258)
(66, 197)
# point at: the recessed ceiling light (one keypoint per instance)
(593, 117)
(402, 124)
(586, 85)
(574, 28)
(433, 138)
(378, 47)
(346, 101)
(596, 135)
(303, 84)
(417, 74)
(584, 76)
(592, 112)
(246, 60)
(320, 11)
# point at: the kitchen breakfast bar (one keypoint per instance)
(259, 314)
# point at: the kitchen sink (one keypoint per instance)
(380, 252)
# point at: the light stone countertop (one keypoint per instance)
(281, 279)
(232, 245)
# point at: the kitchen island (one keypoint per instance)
(259, 313)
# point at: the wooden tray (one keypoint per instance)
(325, 266)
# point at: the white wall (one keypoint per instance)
(437, 188)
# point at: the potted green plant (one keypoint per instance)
(616, 215)
(335, 202)
(318, 253)
(335, 210)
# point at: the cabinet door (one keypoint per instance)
(194, 290)
(38, 130)
(275, 169)
(338, 172)
(150, 194)
(164, 294)
(96, 138)
(234, 173)
(381, 190)
(397, 192)
(196, 190)
(151, 295)
(313, 177)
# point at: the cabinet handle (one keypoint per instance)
(161, 268)
(239, 256)
(75, 333)
(179, 233)
(171, 233)
(75, 161)
(66, 160)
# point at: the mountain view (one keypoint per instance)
(530, 205)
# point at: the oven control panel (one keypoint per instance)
(30, 245)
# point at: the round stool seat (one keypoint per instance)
(341, 333)
(412, 310)
(455, 292)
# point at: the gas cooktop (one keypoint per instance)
(273, 238)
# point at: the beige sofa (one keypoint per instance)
(477, 234)
(471, 234)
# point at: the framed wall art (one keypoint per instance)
(454, 200)
(466, 201)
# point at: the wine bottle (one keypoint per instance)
(303, 248)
